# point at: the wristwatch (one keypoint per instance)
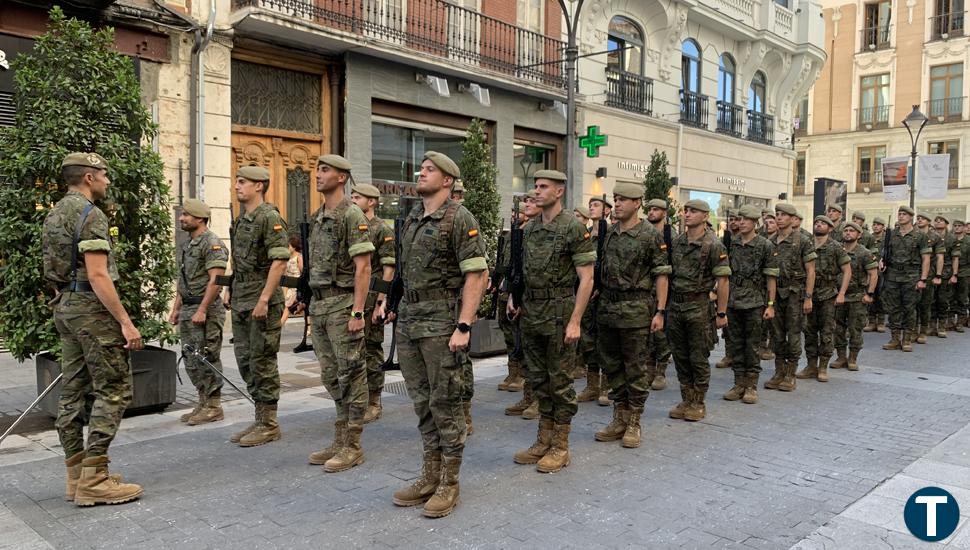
(661, 311)
(771, 303)
(721, 314)
(870, 294)
(808, 296)
(922, 281)
(464, 328)
(358, 315)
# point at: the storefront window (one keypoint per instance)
(720, 203)
(528, 159)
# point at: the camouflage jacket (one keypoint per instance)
(752, 263)
(867, 240)
(793, 252)
(964, 267)
(434, 260)
(336, 236)
(828, 269)
(862, 261)
(695, 266)
(258, 239)
(631, 260)
(59, 230)
(906, 256)
(551, 253)
(382, 237)
(877, 244)
(196, 257)
(951, 249)
(836, 233)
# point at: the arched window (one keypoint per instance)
(756, 93)
(690, 65)
(725, 79)
(625, 46)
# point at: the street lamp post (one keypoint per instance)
(918, 120)
(572, 54)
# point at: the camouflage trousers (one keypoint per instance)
(786, 327)
(659, 347)
(207, 339)
(256, 343)
(689, 331)
(623, 355)
(820, 329)
(901, 300)
(97, 385)
(941, 302)
(467, 379)
(926, 301)
(342, 367)
(550, 362)
(743, 339)
(434, 380)
(961, 295)
(587, 351)
(373, 353)
(510, 328)
(877, 307)
(850, 317)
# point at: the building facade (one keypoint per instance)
(884, 58)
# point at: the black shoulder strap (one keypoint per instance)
(77, 240)
(447, 226)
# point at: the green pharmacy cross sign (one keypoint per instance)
(592, 141)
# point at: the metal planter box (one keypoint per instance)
(486, 339)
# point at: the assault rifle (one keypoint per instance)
(601, 228)
(396, 291)
(226, 280)
(497, 273)
(303, 293)
(886, 251)
(516, 274)
(669, 243)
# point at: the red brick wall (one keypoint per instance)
(553, 19)
(503, 10)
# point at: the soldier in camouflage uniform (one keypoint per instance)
(699, 261)
(660, 346)
(835, 213)
(340, 275)
(866, 239)
(444, 272)
(905, 271)
(634, 257)
(796, 282)
(734, 219)
(768, 229)
(367, 197)
(948, 277)
(877, 315)
(557, 251)
(830, 288)
(95, 331)
(754, 273)
(850, 316)
(582, 214)
(198, 310)
(259, 255)
(927, 326)
(961, 298)
(596, 385)
(528, 406)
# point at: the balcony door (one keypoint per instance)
(878, 18)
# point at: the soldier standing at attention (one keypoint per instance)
(797, 223)
(866, 240)
(367, 197)
(557, 250)
(444, 273)
(947, 276)
(95, 331)
(796, 281)
(830, 289)
(926, 325)
(754, 274)
(582, 214)
(699, 261)
(905, 271)
(198, 310)
(850, 316)
(734, 218)
(259, 255)
(660, 346)
(961, 297)
(635, 256)
(835, 213)
(877, 314)
(768, 229)
(528, 406)
(596, 387)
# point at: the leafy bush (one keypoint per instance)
(478, 173)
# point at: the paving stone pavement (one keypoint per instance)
(824, 466)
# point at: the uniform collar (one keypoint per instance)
(558, 220)
(419, 214)
(342, 205)
(251, 214)
(633, 231)
(79, 194)
(202, 236)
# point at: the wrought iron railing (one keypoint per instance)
(869, 178)
(875, 38)
(693, 109)
(945, 109)
(799, 187)
(761, 127)
(874, 117)
(730, 118)
(947, 25)
(628, 91)
(439, 28)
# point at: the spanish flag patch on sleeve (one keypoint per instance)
(722, 256)
(586, 235)
(277, 227)
(216, 247)
(362, 227)
(472, 232)
(388, 239)
(663, 246)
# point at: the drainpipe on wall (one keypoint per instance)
(680, 151)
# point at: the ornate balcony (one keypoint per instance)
(628, 91)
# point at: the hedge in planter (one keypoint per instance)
(75, 92)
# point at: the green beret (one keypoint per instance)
(554, 175)
(942, 217)
(732, 212)
(605, 199)
(750, 211)
(767, 212)
(628, 190)
(907, 210)
(924, 214)
(444, 163)
(582, 211)
(367, 190)
(197, 208)
(657, 203)
(859, 214)
(821, 218)
(336, 161)
(855, 226)
(698, 204)
(91, 160)
(786, 208)
(458, 187)
(878, 220)
(530, 194)
(799, 215)
(835, 207)
(957, 222)
(253, 173)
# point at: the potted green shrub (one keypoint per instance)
(76, 92)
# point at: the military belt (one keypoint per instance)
(77, 286)
(329, 292)
(625, 295)
(547, 293)
(683, 297)
(254, 276)
(191, 300)
(415, 296)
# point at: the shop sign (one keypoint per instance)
(737, 185)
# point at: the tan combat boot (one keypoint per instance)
(853, 364)
(677, 412)
(350, 454)
(921, 335)
(267, 429)
(532, 412)
(198, 407)
(940, 328)
(374, 408)
(765, 354)
(841, 361)
(880, 323)
(737, 390)
(592, 389)
(631, 438)
(696, 411)
(604, 398)
(823, 369)
(958, 325)
(615, 429)
(579, 371)
(538, 449)
(907, 344)
(445, 497)
(751, 390)
(788, 380)
(319, 458)
(423, 487)
(810, 370)
(870, 326)
(96, 486)
(517, 381)
(527, 399)
(469, 427)
(895, 342)
(73, 464)
(660, 380)
(504, 384)
(557, 457)
(724, 363)
(776, 378)
(211, 412)
(237, 436)
(933, 329)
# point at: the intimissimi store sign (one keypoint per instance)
(732, 183)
